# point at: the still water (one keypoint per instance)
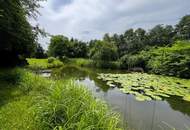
(170, 114)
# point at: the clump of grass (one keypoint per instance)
(36, 64)
(38, 103)
(70, 106)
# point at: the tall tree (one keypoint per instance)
(183, 28)
(161, 35)
(17, 35)
(58, 46)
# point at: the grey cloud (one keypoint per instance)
(90, 19)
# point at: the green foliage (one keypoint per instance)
(58, 46)
(36, 103)
(183, 28)
(51, 59)
(106, 64)
(174, 60)
(62, 46)
(77, 49)
(39, 52)
(103, 54)
(131, 61)
(103, 51)
(161, 35)
(17, 35)
(70, 106)
(64, 59)
(81, 62)
(36, 64)
(12, 76)
(148, 87)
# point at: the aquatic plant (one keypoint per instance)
(148, 86)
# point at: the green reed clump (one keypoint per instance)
(70, 106)
(43, 104)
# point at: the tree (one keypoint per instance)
(161, 35)
(18, 37)
(62, 46)
(39, 52)
(183, 28)
(104, 51)
(58, 46)
(77, 49)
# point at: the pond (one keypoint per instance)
(169, 113)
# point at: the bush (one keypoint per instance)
(11, 76)
(51, 59)
(173, 61)
(104, 51)
(131, 61)
(64, 59)
(171, 64)
(106, 64)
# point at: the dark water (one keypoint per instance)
(170, 114)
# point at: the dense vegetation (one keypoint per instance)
(158, 50)
(18, 38)
(31, 102)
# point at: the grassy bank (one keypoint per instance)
(36, 64)
(92, 64)
(31, 102)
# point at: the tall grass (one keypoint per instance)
(36, 103)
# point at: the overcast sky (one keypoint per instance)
(91, 19)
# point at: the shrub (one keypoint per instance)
(106, 64)
(51, 59)
(131, 61)
(64, 59)
(173, 61)
(12, 76)
(103, 51)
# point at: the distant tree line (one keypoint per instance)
(154, 51)
(114, 47)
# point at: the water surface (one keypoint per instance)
(167, 114)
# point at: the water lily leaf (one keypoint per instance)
(147, 87)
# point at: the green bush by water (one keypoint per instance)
(172, 60)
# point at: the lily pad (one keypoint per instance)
(148, 86)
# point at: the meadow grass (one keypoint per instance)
(31, 102)
(82, 62)
(36, 64)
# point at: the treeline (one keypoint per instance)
(18, 39)
(131, 42)
(123, 51)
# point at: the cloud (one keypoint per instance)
(91, 19)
